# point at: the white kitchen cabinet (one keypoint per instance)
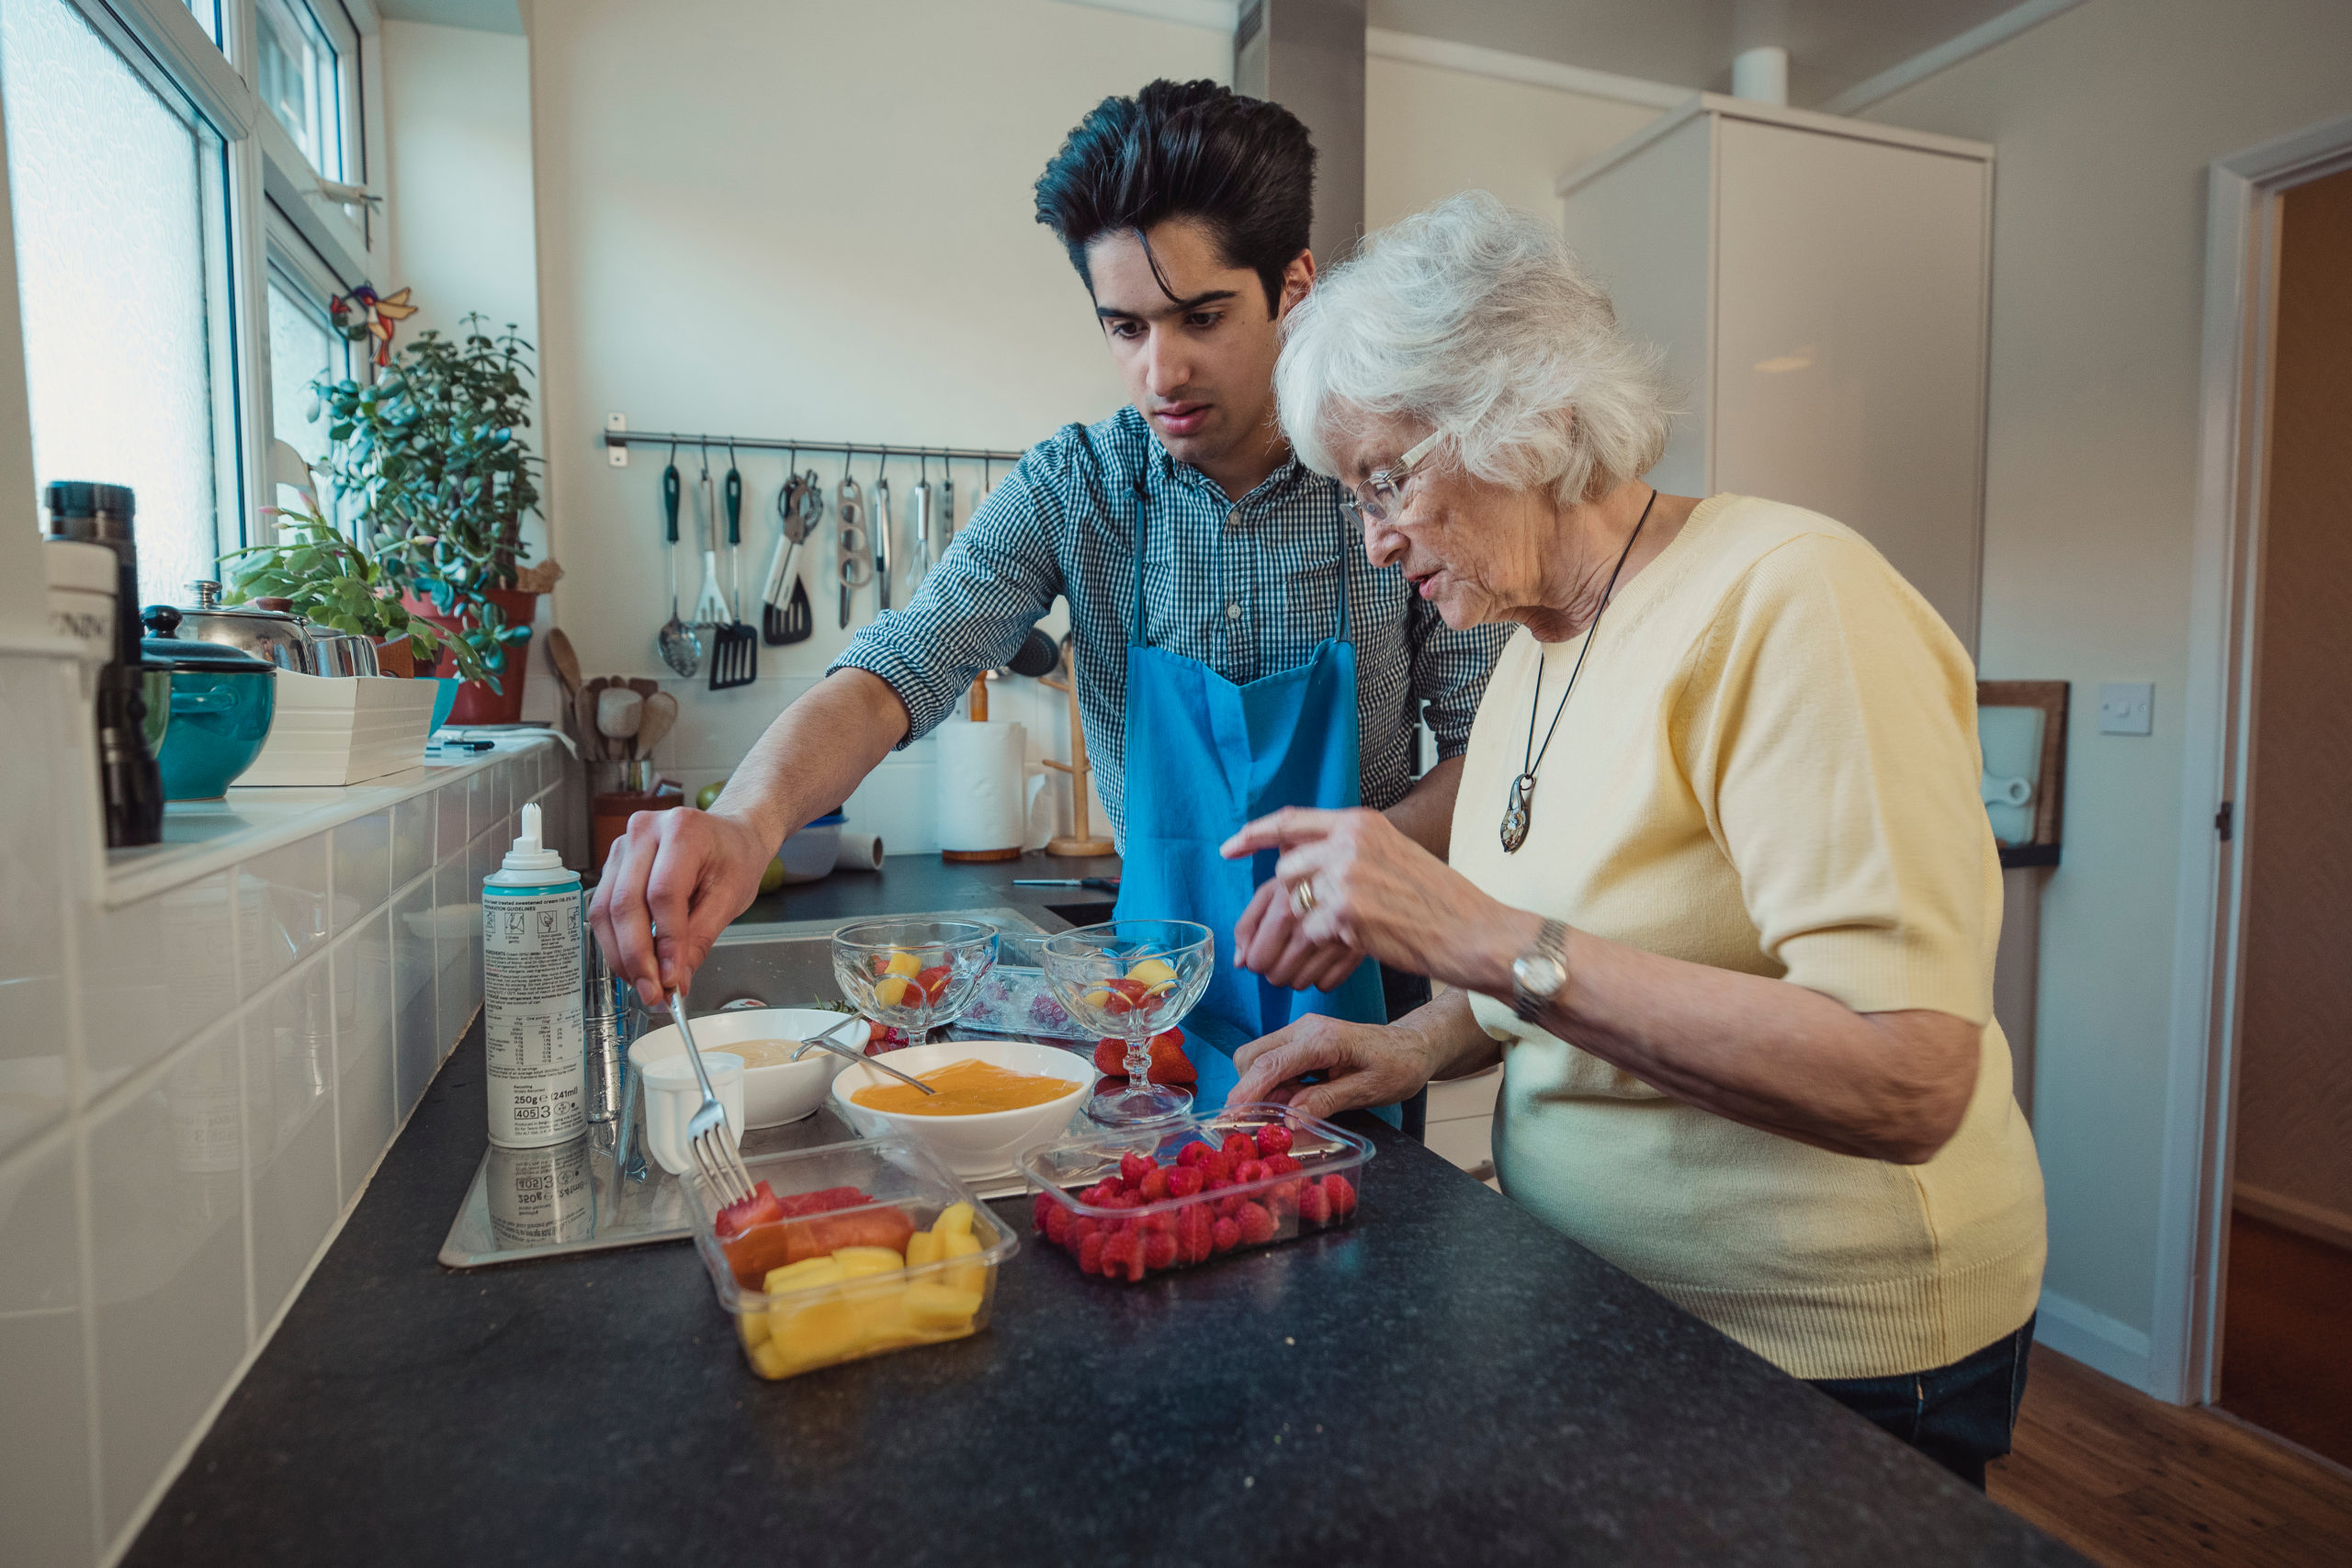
(1820, 288)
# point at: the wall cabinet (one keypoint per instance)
(1819, 286)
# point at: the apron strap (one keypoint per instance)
(1140, 632)
(1341, 634)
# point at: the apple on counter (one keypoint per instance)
(772, 878)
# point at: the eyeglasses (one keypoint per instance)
(1384, 490)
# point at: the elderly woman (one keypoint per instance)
(1723, 895)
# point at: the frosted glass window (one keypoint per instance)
(112, 193)
(208, 16)
(301, 350)
(297, 81)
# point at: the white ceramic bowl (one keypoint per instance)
(773, 1095)
(981, 1147)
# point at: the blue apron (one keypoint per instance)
(1203, 757)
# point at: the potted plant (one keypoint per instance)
(315, 570)
(432, 450)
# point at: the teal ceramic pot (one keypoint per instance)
(221, 703)
(155, 689)
(446, 701)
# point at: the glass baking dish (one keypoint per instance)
(865, 1304)
(1310, 1179)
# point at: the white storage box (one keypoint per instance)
(333, 731)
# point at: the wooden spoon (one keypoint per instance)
(653, 722)
(566, 662)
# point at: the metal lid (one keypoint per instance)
(208, 603)
(165, 649)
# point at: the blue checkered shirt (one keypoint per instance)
(1246, 587)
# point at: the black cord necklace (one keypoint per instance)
(1522, 788)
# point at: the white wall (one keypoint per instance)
(458, 126)
(2105, 119)
(804, 220)
(1430, 131)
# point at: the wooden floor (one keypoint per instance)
(2287, 1336)
(2133, 1482)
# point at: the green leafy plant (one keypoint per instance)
(326, 577)
(431, 452)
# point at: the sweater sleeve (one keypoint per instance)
(1828, 724)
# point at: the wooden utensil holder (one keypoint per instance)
(1080, 842)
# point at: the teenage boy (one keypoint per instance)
(1237, 652)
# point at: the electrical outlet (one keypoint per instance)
(2127, 707)
(617, 452)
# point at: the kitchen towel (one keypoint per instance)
(983, 787)
(859, 851)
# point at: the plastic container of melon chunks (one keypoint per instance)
(870, 1305)
(1115, 1239)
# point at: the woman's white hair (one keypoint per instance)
(1473, 318)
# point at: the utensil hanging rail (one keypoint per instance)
(815, 449)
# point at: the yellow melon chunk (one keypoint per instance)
(770, 1362)
(971, 1277)
(923, 1247)
(936, 1309)
(801, 1276)
(859, 1262)
(753, 1327)
(954, 1220)
(1152, 972)
(905, 964)
(822, 1332)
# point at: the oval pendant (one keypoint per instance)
(1522, 792)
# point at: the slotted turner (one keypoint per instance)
(735, 643)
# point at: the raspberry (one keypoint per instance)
(1159, 1251)
(1161, 1223)
(1185, 1180)
(1155, 1187)
(1274, 1139)
(1250, 1170)
(1080, 1229)
(1057, 1225)
(1282, 1165)
(1282, 1198)
(1314, 1205)
(1224, 1236)
(1133, 1168)
(1042, 1207)
(1195, 1232)
(1102, 1192)
(1342, 1193)
(1193, 1155)
(1220, 1164)
(1229, 1206)
(1217, 1183)
(1089, 1254)
(1123, 1253)
(1240, 1146)
(1257, 1222)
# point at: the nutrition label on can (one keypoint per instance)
(532, 1017)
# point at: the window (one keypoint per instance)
(300, 80)
(120, 264)
(208, 16)
(303, 348)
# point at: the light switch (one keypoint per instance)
(2127, 707)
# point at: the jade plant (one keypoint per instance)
(431, 453)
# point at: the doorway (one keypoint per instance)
(2286, 1361)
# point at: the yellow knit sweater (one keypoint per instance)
(1769, 765)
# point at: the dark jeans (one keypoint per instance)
(1402, 993)
(1960, 1415)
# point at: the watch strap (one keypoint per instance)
(1551, 942)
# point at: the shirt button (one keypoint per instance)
(1233, 612)
(1233, 518)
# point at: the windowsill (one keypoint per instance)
(204, 836)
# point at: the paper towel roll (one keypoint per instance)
(983, 790)
(859, 851)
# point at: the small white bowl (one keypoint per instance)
(981, 1147)
(772, 1095)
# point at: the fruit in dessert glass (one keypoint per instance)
(1132, 979)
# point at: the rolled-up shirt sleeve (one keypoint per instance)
(1450, 670)
(973, 609)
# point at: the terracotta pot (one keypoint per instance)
(608, 816)
(395, 657)
(477, 704)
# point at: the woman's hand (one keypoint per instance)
(1371, 890)
(1362, 1063)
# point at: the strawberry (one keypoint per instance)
(1281, 1165)
(1123, 1253)
(1257, 1222)
(1250, 1170)
(1240, 1146)
(1155, 1187)
(1192, 1155)
(1159, 1250)
(1110, 1057)
(1169, 1063)
(1057, 1225)
(1224, 1236)
(1089, 1254)
(1313, 1204)
(1044, 1206)
(1133, 1168)
(1185, 1180)
(1274, 1139)
(1342, 1193)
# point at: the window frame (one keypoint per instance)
(293, 261)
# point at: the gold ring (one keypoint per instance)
(1302, 897)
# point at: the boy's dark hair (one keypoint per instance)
(1242, 166)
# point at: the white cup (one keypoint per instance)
(671, 1097)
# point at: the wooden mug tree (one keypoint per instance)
(1079, 841)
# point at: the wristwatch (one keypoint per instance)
(1537, 975)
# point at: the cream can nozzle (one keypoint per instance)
(529, 853)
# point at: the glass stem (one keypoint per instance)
(1139, 1059)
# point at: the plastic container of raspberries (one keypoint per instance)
(847, 1251)
(1014, 999)
(1248, 1176)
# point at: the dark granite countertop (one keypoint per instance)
(1448, 1381)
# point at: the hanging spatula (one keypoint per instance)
(735, 644)
(782, 626)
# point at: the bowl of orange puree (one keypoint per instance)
(997, 1100)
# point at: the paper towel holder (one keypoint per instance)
(1080, 842)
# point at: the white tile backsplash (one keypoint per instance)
(167, 1182)
(221, 1060)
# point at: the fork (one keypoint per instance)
(708, 1137)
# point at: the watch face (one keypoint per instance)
(1538, 974)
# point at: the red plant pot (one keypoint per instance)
(477, 704)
